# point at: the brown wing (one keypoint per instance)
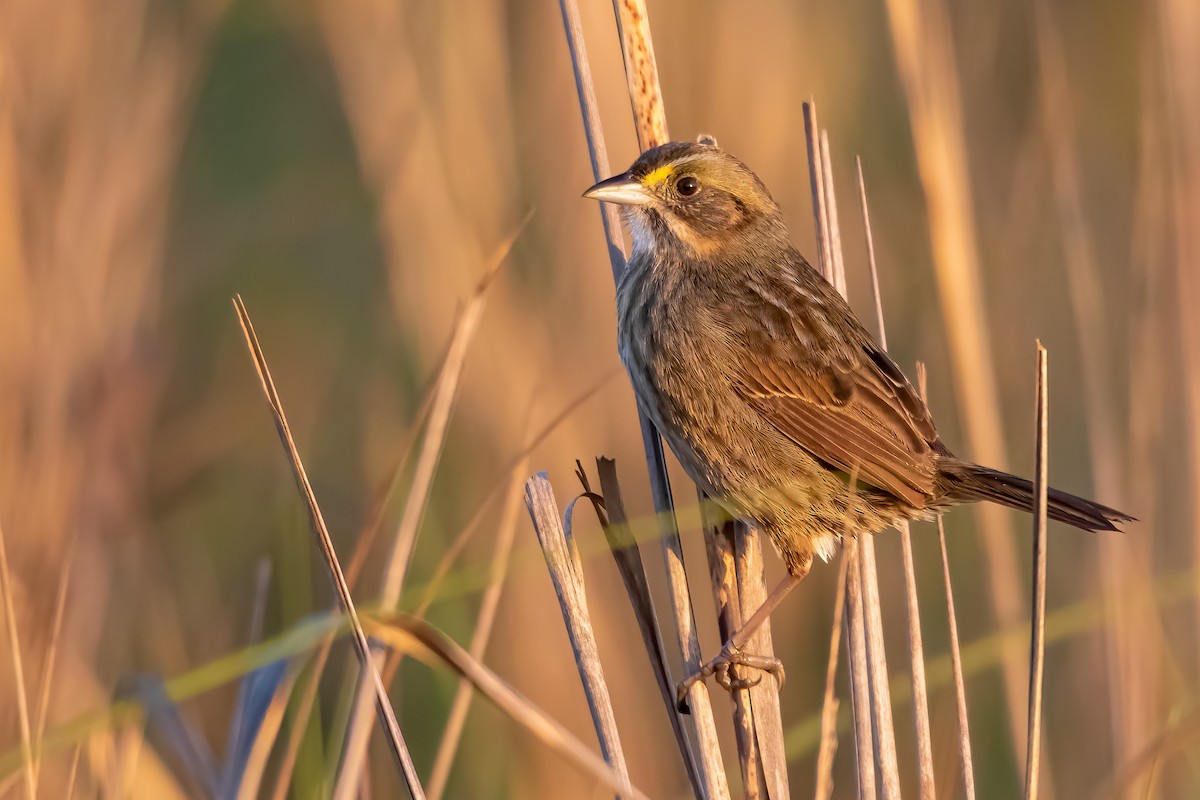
(833, 392)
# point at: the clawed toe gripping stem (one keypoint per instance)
(723, 666)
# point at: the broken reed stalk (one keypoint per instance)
(566, 571)
(956, 666)
(877, 693)
(1037, 645)
(651, 125)
(387, 715)
(628, 556)
(396, 567)
(927, 782)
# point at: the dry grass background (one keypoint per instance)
(351, 166)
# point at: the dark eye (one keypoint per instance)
(687, 186)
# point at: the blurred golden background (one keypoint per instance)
(351, 167)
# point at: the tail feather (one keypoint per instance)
(970, 482)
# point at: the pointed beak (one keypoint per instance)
(622, 190)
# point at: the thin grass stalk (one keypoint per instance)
(387, 714)
(924, 49)
(60, 608)
(628, 556)
(73, 772)
(647, 104)
(827, 747)
(956, 665)
(264, 741)
(1143, 768)
(566, 571)
(405, 539)
(14, 648)
(515, 469)
(307, 693)
(1037, 647)
(722, 568)
(927, 784)
(406, 633)
(440, 773)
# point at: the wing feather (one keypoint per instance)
(843, 401)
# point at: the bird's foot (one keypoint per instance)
(725, 668)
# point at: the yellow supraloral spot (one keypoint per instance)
(659, 175)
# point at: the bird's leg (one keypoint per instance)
(732, 654)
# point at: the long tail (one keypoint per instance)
(965, 483)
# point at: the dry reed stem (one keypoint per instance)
(956, 666)
(628, 556)
(860, 681)
(881, 704)
(566, 571)
(722, 568)
(860, 690)
(386, 714)
(827, 747)
(651, 126)
(927, 784)
(647, 104)
(816, 179)
(14, 647)
(865, 570)
(641, 72)
(405, 538)
(921, 37)
(440, 773)
(764, 696)
(1037, 648)
(417, 637)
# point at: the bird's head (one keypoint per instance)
(691, 196)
